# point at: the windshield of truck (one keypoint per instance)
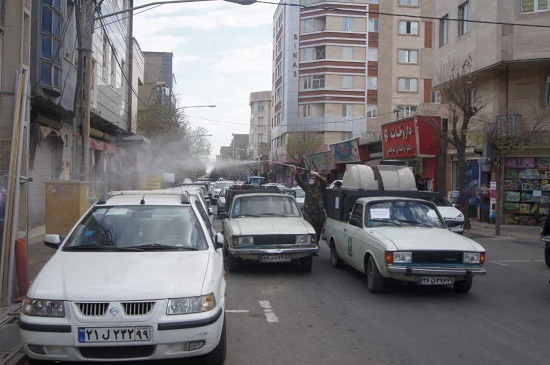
(265, 206)
(402, 214)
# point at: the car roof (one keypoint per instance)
(148, 197)
(261, 194)
(391, 198)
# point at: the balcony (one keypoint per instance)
(507, 124)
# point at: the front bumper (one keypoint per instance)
(436, 270)
(254, 253)
(168, 339)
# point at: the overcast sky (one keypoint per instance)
(222, 53)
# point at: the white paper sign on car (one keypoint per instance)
(380, 213)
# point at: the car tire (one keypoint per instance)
(306, 263)
(38, 362)
(217, 356)
(234, 263)
(375, 280)
(547, 254)
(335, 260)
(463, 286)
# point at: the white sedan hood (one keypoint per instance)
(430, 239)
(273, 225)
(97, 276)
(449, 212)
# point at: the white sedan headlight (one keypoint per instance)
(472, 258)
(204, 303)
(243, 240)
(459, 217)
(44, 308)
(305, 239)
(402, 257)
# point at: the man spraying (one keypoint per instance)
(314, 206)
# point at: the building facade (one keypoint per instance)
(158, 82)
(260, 121)
(512, 67)
(343, 69)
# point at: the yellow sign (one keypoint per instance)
(151, 182)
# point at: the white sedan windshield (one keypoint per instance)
(265, 206)
(402, 213)
(171, 227)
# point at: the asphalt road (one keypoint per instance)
(279, 315)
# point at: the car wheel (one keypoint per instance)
(217, 356)
(375, 280)
(463, 286)
(234, 263)
(547, 255)
(38, 362)
(306, 263)
(335, 260)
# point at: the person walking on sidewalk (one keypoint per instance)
(314, 205)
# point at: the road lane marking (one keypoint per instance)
(498, 263)
(506, 262)
(237, 311)
(268, 311)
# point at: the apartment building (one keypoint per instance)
(260, 121)
(340, 68)
(158, 83)
(511, 63)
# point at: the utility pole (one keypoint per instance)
(85, 57)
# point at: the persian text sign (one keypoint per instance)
(347, 151)
(399, 139)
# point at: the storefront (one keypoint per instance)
(526, 190)
(415, 141)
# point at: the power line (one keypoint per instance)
(128, 16)
(403, 15)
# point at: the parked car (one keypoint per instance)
(453, 217)
(222, 202)
(267, 228)
(300, 196)
(139, 277)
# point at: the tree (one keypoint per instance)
(462, 108)
(302, 144)
(514, 133)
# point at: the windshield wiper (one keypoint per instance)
(99, 247)
(273, 215)
(246, 215)
(384, 222)
(416, 223)
(158, 246)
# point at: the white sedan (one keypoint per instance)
(139, 277)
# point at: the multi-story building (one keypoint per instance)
(260, 121)
(511, 63)
(158, 83)
(239, 146)
(340, 68)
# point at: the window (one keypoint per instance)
(435, 97)
(320, 52)
(357, 213)
(372, 54)
(405, 111)
(308, 54)
(306, 111)
(105, 55)
(408, 27)
(372, 111)
(373, 25)
(347, 82)
(314, 82)
(347, 110)
(547, 92)
(407, 85)
(443, 30)
(408, 56)
(372, 1)
(113, 67)
(348, 24)
(532, 6)
(372, 83)
(50, 60)
(463, 17)
(308, 25)
(408, 2)
(347, 53)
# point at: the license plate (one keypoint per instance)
(437, 280)
(114, 334)
(276, 258)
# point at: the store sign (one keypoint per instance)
(399, 139)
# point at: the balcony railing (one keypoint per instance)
(507, 124)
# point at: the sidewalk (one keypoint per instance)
(506, 230)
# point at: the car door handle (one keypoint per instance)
(345, 229)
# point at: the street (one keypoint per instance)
(279, 315)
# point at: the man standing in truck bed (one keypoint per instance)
(314, 206)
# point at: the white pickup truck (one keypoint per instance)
(395, 237)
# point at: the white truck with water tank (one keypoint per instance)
(379, 224)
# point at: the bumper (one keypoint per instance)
(251, 253)
(168, 340)
(436, 271)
